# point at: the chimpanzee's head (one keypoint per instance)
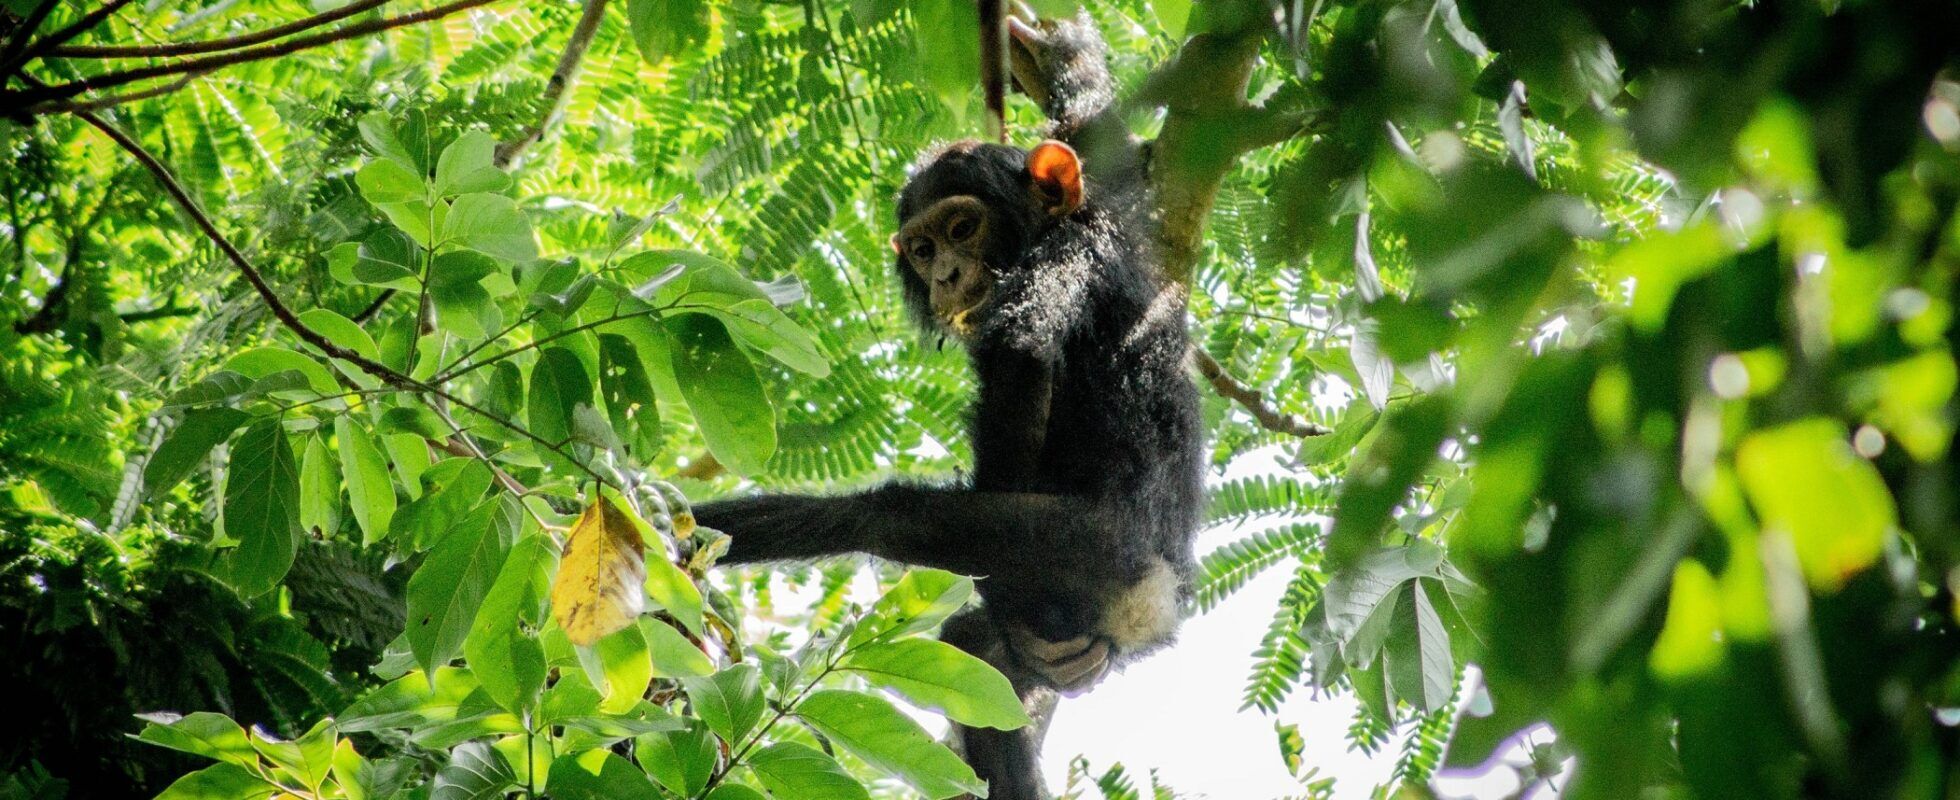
(966, 217)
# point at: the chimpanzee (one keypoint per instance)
(1087, 487)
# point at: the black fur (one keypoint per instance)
(1086, 433)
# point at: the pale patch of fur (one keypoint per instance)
(1146, 613)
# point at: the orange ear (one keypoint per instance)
(896, 250)
(1057, 174)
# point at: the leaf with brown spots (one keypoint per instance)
(599, 588)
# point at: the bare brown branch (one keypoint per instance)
(43, 92)
(558, 92)
(212, 45)
(88, 21)
(1261, 409)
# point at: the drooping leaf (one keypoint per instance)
(446, 592)
(787, 769)
(502, 649)
(370, 493)
(262, 507)
(730, 701)
(886, 738)
(723, 392)
(598, 588)
(188, 445)
(939, 676)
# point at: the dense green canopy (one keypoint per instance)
(1607, 347)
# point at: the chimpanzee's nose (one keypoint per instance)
(949, 277)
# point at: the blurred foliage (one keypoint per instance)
(1633, 325)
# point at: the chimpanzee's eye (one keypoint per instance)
(922, 249)
(963, 228)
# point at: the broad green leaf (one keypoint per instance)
(445, 592)
(474, 772)
(735, 791)
(792, 770)
(469, 165)
(619, 667)
(188, 445)
(937, 675)
(1419, 662)
(387, 258)
(389, 182)
(887, 739)
(415, 419)
(598, 588)
(262, 508)
(1805, 481)
(308, 758)
(260, 362)
(370, 493)
(455, 487)
(558, 383)
(406, 142)
(505, 657)
(218, 782)
(673, 655)
(721, 388)
(671, 588)
(730, 701)
(350, 771)
(680, 760)
(319, 489)
(1690, 643)
(599, 775)
(1382, 477)
(412, 701)
(200, 733)
(662, 28)
(947, 33)
(628, 393)
(491, 224)
(410, 455)
(341, 330)
(921, 599)
(221, 386)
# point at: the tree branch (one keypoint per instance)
(55, 40)
(43, 92)
(558, 92)
(71, 106)
(292, 321)
(16, 43)
(1268, 415)
(373, 308)
(210, 46)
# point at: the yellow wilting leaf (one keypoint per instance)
(599, 588)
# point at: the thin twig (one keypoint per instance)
(373, 308)
(558, 92)
(292, 321)
(106, 80)
(71, 106)
(1261, 409)
(214, 45)
(54, 41)
(16, 44)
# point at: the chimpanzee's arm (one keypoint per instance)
(957, 529)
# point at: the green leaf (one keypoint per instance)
(262, 508)
(921, 599)
(558, 384)
(619, 667)
(730, 701)
(599, 775)
(388, 257)
(445, 593)
(260, 362)
(388, 181)
(412, 701)
(669, 587)
(948, 35)
(628, 393)
(370, 493)
(475, 772)
(410, 454)
(505, 656)
(1419, 663)
(662, 28)
(673, 655)
(342, 331)
(457, 485)
(406, 143)
(218, 782)
(1381, 479)
(319, 489)
(464, 307)
(887, 739)
(416, 419)
(200, 733)
(221, 386)
(1805, 481)
(188, 445)
(469, 165)
(735, 791)
(723, 392)
(308, 758)
(491, 224)
(680, 760)
(937, 675)
(792, 770)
